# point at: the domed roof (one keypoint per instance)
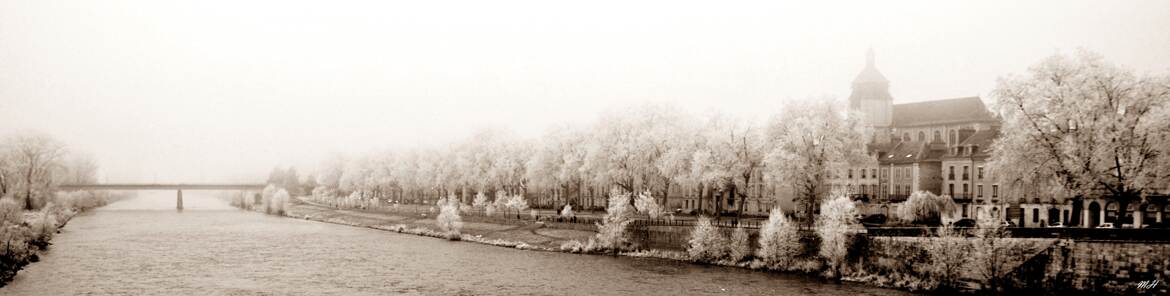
(870, 74)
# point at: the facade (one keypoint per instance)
(940, 146)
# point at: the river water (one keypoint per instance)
(142, 246)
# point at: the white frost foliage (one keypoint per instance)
(837, 220)
(448, 220)
(480, 201)
(707, 243)
(517, 203)
(611, 232)
(779, 240)
(739, 248)
(647, 205)
(567, 211)
(280, 203)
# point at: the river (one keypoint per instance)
(143, 246)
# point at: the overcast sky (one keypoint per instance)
(202, 91)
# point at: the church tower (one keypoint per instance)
(871, 96)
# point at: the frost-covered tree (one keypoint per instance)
(739, 245)
(611, 232)
(34, 158)
(992, 248)
(779, 240)
(949, 251)
(707, 243)
(810, 139)
(80, 168)
(927, 208)
(834, 226)
(730, 156)
(1079, 127)
(646, 204)
(557, 163)
(567, 212)
(448, 220)
(481, 201)
(518, 203)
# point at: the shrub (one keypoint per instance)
(480, 201)
(11, 211)
(517, 203)
(647, 205)
(779, 240)
(740, 247)
(448, 220)
(992, 251)
(836, 221)
(707, 243)
(948, 252)
(42, 225)
(611, 232)
(567, 211)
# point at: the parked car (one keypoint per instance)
(1056, 225)
(964, 223)
(1105, 225)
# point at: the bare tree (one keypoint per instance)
(34, 157)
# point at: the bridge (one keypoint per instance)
(178, 187)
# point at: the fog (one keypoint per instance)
(205, 91)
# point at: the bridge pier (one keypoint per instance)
(179, 200)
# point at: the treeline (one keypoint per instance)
(33, 164)
(653, 147)
(31, 209)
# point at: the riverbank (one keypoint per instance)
(25, 234)
(508, 233)
(544, 236)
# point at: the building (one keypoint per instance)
(940, 146)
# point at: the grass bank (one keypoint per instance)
(25, 234)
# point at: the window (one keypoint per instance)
(937, 136)
(965, 191)
(966, 175)
(921, 136)
(885, 173)
(906, 137)
(862, 171)
(951, 175)
(850, 173)
(873, 173)
(994, 191)
(979, 191)
(964, 210)
(951, 189)
(980, 173)
(1035, 215)
(954, 140)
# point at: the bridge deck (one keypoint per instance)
(69, 187)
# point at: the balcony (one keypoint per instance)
(962, 198)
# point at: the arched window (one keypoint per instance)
(954, 138)
(921, 136)
(937, 136)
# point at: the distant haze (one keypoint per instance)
(203, 91)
